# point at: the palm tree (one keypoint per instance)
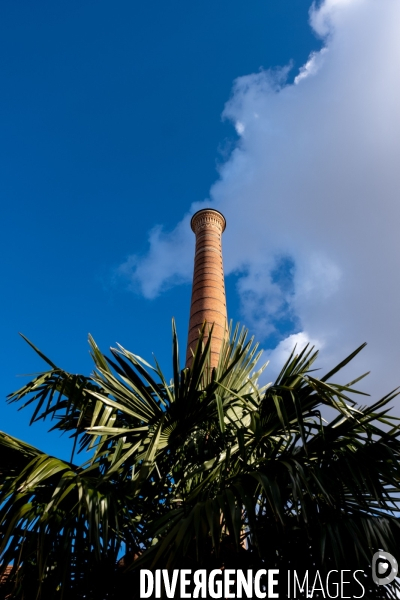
(208, 470)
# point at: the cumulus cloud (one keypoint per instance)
(280, 354)
(165, 264)
(314, 180)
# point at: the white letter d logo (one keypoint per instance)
(384, 568)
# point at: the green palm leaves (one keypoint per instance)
(207, 469)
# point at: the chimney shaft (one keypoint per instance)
(208, 290)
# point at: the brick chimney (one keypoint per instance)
(208, 290)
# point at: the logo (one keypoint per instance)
(384, 568)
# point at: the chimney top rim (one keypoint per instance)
(202, 210)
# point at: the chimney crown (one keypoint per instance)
(208, 217)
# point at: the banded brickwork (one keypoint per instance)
(208, 290)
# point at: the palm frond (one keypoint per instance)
(204, 469)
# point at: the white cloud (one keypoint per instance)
(315, 176)
(165, 264)
(279, 356)
(312, 66)
(326, 17)
(239, 128)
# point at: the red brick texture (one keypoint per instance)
(208, 291)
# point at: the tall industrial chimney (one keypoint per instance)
(208, 290)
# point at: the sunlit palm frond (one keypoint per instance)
(203, 468)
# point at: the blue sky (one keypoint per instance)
(117, 122)
(110, 120)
